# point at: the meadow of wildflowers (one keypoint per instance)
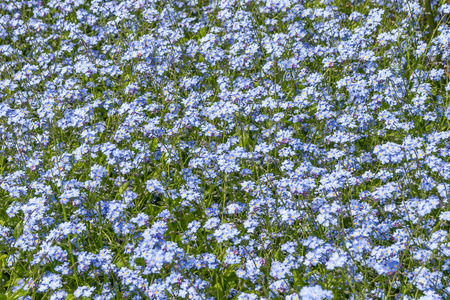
(224, 149)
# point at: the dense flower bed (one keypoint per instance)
(233, 149)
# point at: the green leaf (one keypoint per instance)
(202, 33)
(70, 297)
(3, 260)
(18, 229)
(120, 264)
(123, 187)
(153, 145)
(219, 290)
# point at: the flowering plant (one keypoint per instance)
(233, 149)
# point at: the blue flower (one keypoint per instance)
(315, 293)
(83, 291)
(50, 281)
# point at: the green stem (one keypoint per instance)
(430, 17)
(70, 247)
